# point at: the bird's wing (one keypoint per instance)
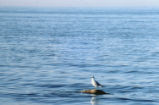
(98, 83)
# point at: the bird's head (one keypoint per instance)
(92, 76)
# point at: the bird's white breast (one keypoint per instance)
(93, 82)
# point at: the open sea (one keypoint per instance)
(47, 56)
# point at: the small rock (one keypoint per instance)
(94, 91)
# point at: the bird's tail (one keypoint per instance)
(101, 85)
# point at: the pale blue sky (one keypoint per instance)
(81, 3)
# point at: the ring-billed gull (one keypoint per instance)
(95, 83)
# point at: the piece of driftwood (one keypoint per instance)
(94, 91)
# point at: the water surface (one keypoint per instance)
(48, 55)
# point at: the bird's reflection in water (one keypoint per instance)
(94, 100)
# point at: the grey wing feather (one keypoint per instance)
(98, 83)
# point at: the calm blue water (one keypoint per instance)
(48, 55)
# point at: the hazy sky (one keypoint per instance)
(81, 3)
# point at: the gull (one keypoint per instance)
(95, 83)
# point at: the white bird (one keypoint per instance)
(95, 83)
